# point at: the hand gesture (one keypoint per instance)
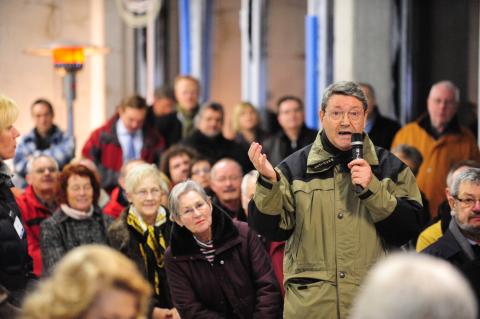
(260, 162)
(361, 172)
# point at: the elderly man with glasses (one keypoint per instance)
(38, 202)
(460, 243)
(338, 215)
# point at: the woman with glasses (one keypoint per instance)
(79, 220)
(142, 233)
(216, 267)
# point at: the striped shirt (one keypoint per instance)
(206, 249)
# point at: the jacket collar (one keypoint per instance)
(224, 235)
(320, 160)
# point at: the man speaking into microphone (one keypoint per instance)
(338, 215)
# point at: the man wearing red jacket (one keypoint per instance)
(122, 138)
(38, 202)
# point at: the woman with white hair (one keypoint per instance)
(15, 264)
(142, 233)
(216, 267)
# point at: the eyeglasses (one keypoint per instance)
(352, 115)
(143, 193)
(43, 170)
(467, 202)
(223, 179)
(197, 207)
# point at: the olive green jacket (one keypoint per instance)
(334, 235)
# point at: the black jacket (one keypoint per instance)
(278, 146)
(15, 263)
(218, 147)
(383, 130)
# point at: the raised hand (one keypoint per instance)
(260, 162)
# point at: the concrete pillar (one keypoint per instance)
(365, 39)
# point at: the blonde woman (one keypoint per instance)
(91, 281)
(142, 233)
(246, 124)
(15, 264)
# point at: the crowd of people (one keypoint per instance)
(164, 216)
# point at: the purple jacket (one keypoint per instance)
(239, 284)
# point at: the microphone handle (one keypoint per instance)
(358, 188)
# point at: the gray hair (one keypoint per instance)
(181, 189)
(470, 174)
(34, 158)
(253, 174)
(450, 85)
(141, 171)
(410, 153)
(414, 286)
(347, 88)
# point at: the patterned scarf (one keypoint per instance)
(153, 245)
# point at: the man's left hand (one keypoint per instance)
(361, 172)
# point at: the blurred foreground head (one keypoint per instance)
(414, 286)
(91, 281)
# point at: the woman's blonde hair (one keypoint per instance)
(8, 112)
(238, 109)
(79, 278)
(138, 174)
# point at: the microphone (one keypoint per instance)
(357, 152)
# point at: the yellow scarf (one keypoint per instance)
(154, 243)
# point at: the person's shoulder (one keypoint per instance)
(29, 137)
(57, 217)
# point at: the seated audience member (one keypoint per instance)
(216, 267)
(38, 202)
(142, 233)
(163, 102)
(118, 199)
(175, 163)
(92, 281)
(246, 125)
(45, 138)
(293, 134)
(79, 220)
(225, 181)
(104, 198)
(413, 286)
(441, 140)
(200, 172)
(413, 159)
(124, 137)
(208, 140)
(179, 124)
(15, 263)
(459, 243)
(440, 223)
(275, 248)
(380, 129)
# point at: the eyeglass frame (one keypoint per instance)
(143, 193)
(464, 201)
(343, 113)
